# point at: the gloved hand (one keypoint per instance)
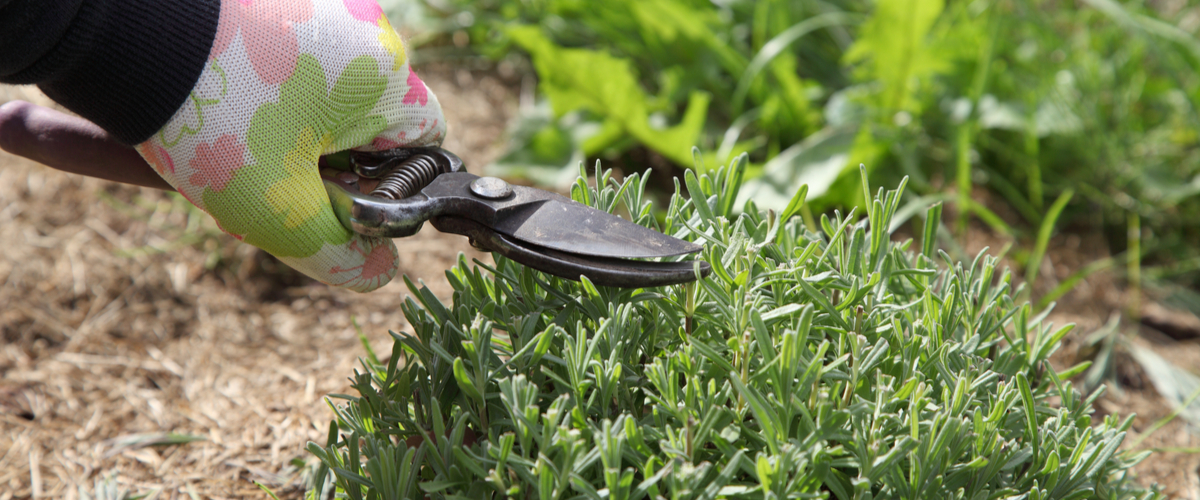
(286, 82)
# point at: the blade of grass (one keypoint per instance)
(1033, 166)
(965, 134)
(1073, 280)
(962, 163)
(362, 337)
(1189, 451)
(779, 44)
(1133, 266)
(267, 490)
(135, 441)
(1011, 193)
(1174, 384)
(989, 217)
(1043, 238)
(1166, 420)
(729, 139)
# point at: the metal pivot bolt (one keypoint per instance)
(490, 188)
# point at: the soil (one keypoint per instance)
(126, 315)
(127, 318)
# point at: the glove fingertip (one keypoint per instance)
(363, 264)
(377, 267)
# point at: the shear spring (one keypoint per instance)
(408, 178)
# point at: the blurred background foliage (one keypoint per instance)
(1079, 115)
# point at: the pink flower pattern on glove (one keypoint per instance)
(159, 158)
(417, 93)
(364, 10)
(378, 267)
(210, 171)
(266, 28)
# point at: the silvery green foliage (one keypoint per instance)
(813, 362)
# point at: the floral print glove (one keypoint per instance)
(288, 81)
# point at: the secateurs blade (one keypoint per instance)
(537, 228)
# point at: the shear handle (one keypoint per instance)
(446, 194)
(373, 216)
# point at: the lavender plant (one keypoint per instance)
(823, 362)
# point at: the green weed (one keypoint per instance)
(107, 487)
(1028, 98)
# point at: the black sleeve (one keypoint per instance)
(126, 65)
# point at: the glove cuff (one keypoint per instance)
(126, 65)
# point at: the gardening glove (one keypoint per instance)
(286, 82)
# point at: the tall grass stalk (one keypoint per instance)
(1133, 266)
(1045, 231)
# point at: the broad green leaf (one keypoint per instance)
(575, 79)
(814, 163)
(894, 49)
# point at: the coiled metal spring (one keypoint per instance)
(408, 178)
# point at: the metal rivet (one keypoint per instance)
(490, 188)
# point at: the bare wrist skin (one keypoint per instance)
(72, 144)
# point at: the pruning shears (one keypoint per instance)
(540, 229)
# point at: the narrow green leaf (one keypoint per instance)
(766, 418)
(795, 204)
(1044, 233)
(464, 380)
(699, 197)
(933, 220)
(1031, 425)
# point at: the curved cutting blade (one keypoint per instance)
(564, 225)
(602, 271)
